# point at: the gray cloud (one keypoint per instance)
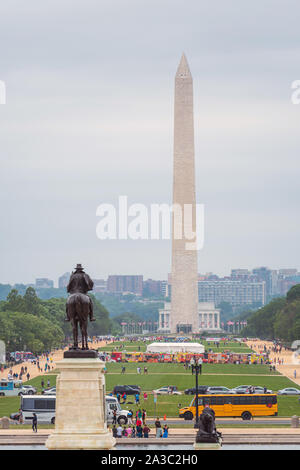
(89, 116)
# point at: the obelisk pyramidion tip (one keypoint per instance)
(183, 68)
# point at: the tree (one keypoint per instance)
(293, 293)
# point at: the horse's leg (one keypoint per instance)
(75, 333)
(83, 330)
(85, 334)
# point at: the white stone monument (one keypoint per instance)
(184, 294)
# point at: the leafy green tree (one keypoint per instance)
(293, 293)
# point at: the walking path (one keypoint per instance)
(287, 368)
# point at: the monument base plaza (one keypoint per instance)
(80, 407)
(230, 436)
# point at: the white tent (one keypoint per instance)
(175, 348)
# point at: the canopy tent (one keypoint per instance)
(171, 348)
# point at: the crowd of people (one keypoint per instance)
(138, 429)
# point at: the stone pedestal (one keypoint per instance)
(207, 446)
(80, 418)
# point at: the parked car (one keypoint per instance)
(28, 390)
(128, 389)
(240, 389)
(289, 391)
(246, 389)
(170, 390)
(261, 390)
(49, 391)
(216, 390)
(202, 389)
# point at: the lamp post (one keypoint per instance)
(197, 369)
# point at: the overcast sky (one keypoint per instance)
(89, 117)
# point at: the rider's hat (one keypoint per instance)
(79, 267)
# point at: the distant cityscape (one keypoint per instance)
(242, 287)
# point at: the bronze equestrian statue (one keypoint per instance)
(79, 305)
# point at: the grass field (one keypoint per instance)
(156, 368)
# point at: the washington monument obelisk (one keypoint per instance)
(184, 294)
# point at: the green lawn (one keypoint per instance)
(156, 368)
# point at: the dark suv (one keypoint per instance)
(128, 389)
(192, 391)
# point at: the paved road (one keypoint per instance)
(219, 422)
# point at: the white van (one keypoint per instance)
(11, 388)
(44, 407)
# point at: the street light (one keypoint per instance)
(197, 369)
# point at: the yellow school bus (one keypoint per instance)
(234, 405)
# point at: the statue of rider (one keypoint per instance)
(80, 282)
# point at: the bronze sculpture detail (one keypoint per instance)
(207, 432)
(79, 305)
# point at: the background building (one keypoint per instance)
(44, 283)
(233, 292)
(208, 319)
(125, 283)
(63, 280)
(100, 286)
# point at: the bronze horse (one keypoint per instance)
(78, 311)
(79, 307)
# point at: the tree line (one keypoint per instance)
(279, 319)
(28, 322)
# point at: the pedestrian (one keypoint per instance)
(139, 430)
(129, 416)
(114, 431)
(48, 383)
(146, 431)
(165, 431)
(295, 374)
(28, 376)
(119, 431)
(133, 432)
(137, 398)
(145, 396)
(21, 420)
(144, 416)
(158, 428)
(114, 421)
(34, 423)
(129, 431)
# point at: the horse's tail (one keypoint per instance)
(78, 306)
